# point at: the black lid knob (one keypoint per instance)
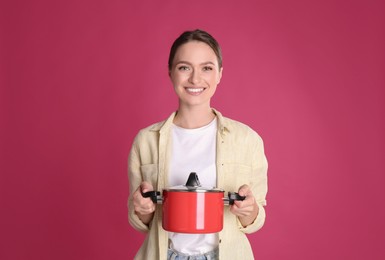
(193, 180)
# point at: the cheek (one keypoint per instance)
(177, 82)
(218, 79)
(214, 80)
(176, 79)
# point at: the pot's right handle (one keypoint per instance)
(153, 195)
(233, 196)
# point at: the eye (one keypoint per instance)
(182, 68)
(207, 68)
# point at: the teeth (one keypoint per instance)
(195, 90)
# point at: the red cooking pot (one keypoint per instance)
(191, 208)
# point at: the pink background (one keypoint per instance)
(79, 79)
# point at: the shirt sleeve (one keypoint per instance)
(135, 179)
(258, 183)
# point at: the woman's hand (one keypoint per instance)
(246, 210)
(144, 207)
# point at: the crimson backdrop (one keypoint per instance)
(79, 78)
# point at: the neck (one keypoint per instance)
(195, 117)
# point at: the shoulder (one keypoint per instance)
(151, 130)
(236, 125)
(238, 129)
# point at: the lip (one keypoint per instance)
(194, 90)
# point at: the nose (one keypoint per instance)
(195, 77)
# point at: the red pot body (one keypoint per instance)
(194, 212)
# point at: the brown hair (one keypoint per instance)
(196, 35)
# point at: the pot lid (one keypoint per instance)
(184, 188)
(193, 184)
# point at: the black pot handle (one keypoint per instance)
(233, 196)
(153, 195)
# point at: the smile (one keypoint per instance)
(194, 90)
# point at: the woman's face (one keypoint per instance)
(195, 73)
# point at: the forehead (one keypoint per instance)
(195, 51)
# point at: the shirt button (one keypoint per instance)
(220, 240)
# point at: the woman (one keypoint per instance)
(197, 138)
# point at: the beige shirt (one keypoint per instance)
(240, 159)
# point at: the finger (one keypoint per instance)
(139, 199)
(144, 208)
(239, 203)
(144, 211)
(144, 205)
(247, 201)
(240, 212)
(234, 209)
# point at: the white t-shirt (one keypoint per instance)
(193, 150)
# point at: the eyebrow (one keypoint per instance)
(189, 63)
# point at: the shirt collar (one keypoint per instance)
(223, 125)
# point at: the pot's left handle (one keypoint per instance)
(153, 195)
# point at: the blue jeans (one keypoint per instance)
(173, 255)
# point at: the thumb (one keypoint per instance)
(244, 190)
(146, 186)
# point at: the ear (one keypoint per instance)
(219, 75)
